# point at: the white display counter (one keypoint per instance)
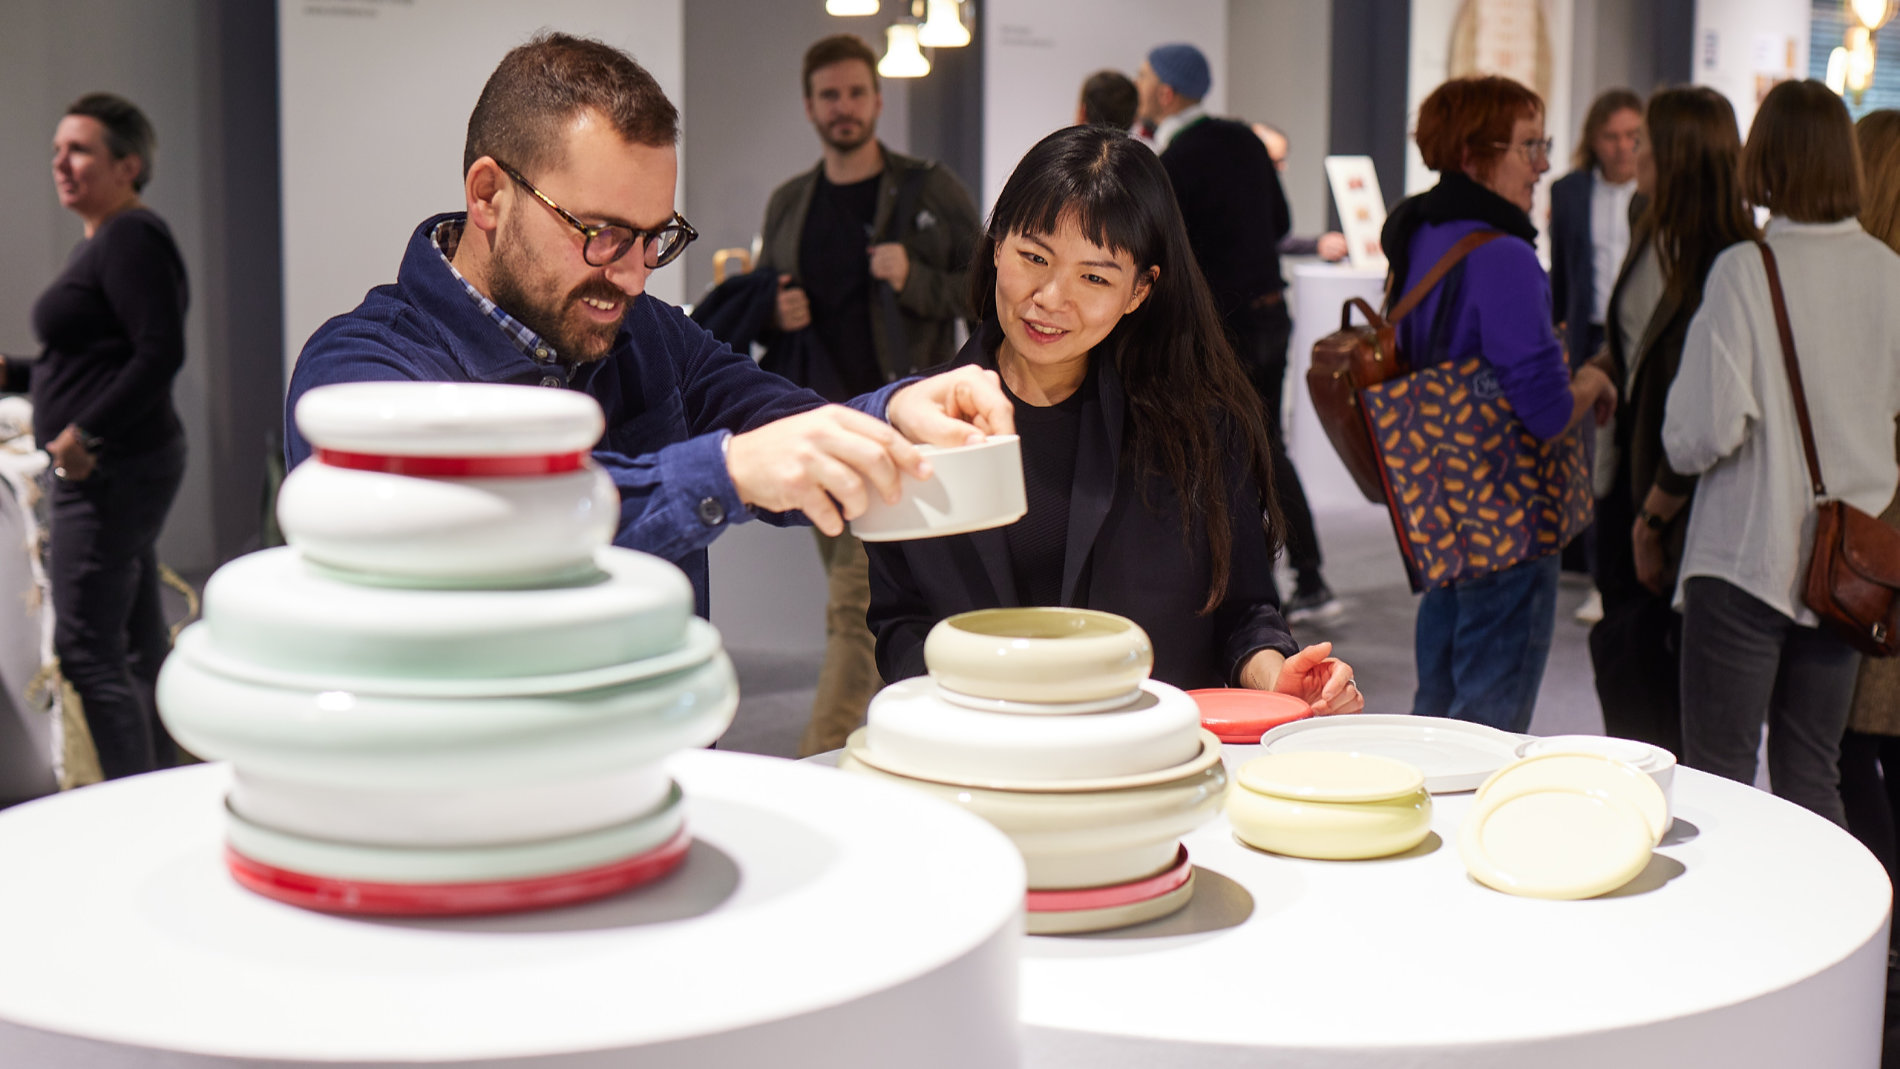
(821, 920)
(1757, 937)
(1319, 290)
(29, 731)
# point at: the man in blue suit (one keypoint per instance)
(1589, 221)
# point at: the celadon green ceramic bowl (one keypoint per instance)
(1050, 656)
(1331, 806)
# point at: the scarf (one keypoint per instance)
(1457, 196)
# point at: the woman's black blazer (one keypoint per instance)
(1125, 555)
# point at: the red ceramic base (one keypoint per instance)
(1242, 716)
(333, 895)
(1120, 894)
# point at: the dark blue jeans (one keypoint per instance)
(1481, 645)
(109, 626)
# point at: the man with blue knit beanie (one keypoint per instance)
(1236, 216)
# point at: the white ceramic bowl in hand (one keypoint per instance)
(497, 531)
(971, 488)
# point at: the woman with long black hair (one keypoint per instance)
(1144, 455)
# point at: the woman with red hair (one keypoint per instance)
(1482, 643)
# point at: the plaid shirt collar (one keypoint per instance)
(445, 237)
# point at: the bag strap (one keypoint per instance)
(1453, 256)
(1794, 368)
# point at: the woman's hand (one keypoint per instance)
(1321, 680)
(1646, 543)
(72, 461)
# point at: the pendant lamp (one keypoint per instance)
(944, 28)
(901, 56)
(851, 7)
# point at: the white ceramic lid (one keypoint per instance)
(1643, 755)
(274, 610)
(1555, 844)
(1585, 773)
(1322, 776)
(449, 419)
(912, 728)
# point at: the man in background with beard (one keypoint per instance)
(873, 254)
(568, 174)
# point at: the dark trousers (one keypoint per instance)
(1743, 663)
(109, 625)
(1260, 337)
(1636, 649)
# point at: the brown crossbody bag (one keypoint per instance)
(1853, 580)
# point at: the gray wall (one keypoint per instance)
(1279, 54)
(202, 71)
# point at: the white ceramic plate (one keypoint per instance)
(1453, 754)
(1208, 757)
(1561, 844)
(1585, 773)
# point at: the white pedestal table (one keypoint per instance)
(821, 920)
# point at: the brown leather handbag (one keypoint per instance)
(1854, 574)
(1365, 354)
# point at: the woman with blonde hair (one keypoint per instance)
(1752, 650)
(1870, 753)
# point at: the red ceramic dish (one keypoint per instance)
(1121, 894)
(454, 467)
(331, 895)
(1242, 716)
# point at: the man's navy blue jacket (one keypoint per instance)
(672, 394)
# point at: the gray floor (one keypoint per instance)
(1374, 635)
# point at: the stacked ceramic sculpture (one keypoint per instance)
(449, 694)
(1044, 722)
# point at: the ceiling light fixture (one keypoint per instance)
(902, 59)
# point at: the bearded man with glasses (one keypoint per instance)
(568, 173)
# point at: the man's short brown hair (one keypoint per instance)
(541, 86)
(1475, 115)
(1801, 161)
(838, 48)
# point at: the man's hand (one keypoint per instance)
(823, 463)
(890, 263)
(794, 308)
(1313, 675)
(955, 408)
(72, 461)
(1332, 246)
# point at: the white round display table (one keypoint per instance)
(1757, 937)
(821, 919)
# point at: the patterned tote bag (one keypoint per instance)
(1469, 489)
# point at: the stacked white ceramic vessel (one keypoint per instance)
(1044, 722)
(449, 693)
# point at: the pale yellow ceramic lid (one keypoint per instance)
(1555, 843)
(1588, 773)
(1324, 776)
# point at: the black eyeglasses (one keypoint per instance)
(606, 244)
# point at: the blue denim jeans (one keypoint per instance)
(1481, 645)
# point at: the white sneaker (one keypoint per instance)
(1591, 611)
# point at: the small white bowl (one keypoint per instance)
(971, 488)
(911, 727)
(1060, 658)
(1658, 762)
(449, 419)
(489, 531)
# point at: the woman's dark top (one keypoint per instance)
(1124, 550)
(113, 327)
(1038, 541)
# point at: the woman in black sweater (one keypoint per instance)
(1144, 456)
(113, 330)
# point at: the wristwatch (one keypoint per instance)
(1651, 520)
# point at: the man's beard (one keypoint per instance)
(540, 307)
(866, 132)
